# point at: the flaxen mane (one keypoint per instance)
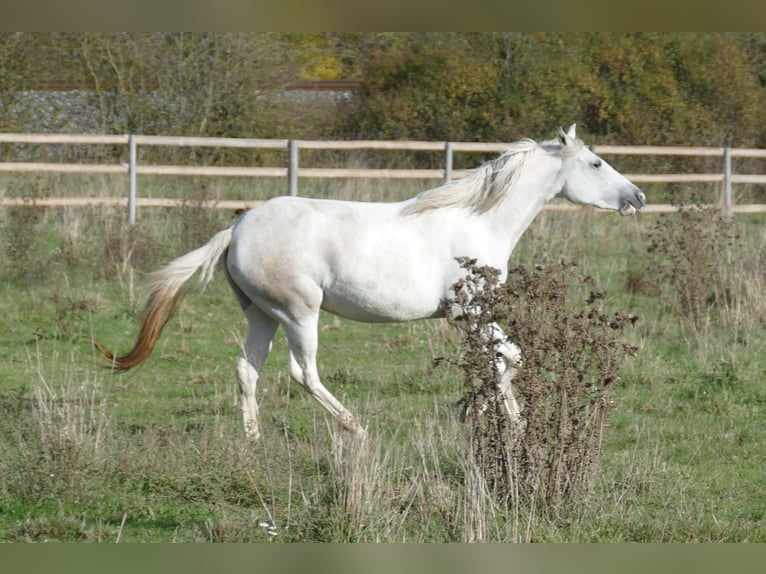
(482, 188)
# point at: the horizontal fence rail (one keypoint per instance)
(292, 171)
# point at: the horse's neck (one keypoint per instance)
(517, 211)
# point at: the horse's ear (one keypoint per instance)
(568, 137)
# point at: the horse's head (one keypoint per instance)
(589, 180)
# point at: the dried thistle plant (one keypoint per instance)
(691, 250)
(572, 352)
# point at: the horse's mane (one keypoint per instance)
(483, 188)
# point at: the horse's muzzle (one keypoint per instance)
(633, 204)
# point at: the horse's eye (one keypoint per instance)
(596, 163)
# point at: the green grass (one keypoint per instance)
(158, 454)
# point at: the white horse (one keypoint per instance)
(376, 262)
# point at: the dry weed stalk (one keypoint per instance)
(362, 487)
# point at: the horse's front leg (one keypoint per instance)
(508, 362)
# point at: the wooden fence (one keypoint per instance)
(292, 170)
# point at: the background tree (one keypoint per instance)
(425, 86)
(208, 84)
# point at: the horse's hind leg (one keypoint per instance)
(260, 334)
(302, 340)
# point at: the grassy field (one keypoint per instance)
(158, 454)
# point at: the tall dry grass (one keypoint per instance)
(66, 441)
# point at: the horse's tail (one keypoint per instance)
(167, 287)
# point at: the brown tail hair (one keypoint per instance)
(167, 288)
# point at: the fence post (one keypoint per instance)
(728, 208)
(448, 162)
(292, 169)
(133, 192)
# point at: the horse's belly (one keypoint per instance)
(372, 307)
